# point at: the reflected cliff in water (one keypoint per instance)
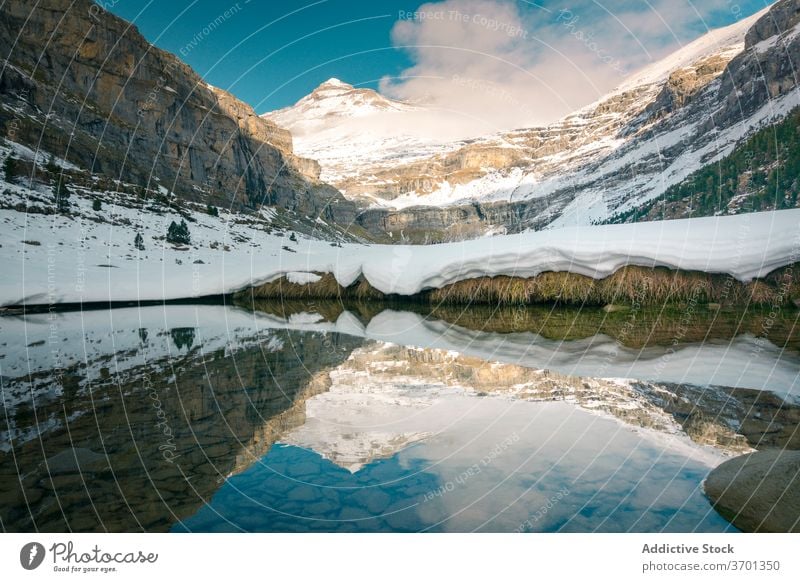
(138, 425)
(311, 417)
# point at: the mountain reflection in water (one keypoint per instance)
(207, 418)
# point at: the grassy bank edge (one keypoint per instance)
(628, 286)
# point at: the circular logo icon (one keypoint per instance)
(31, 555)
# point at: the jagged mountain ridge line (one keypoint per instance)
(508, 148)
(692, 112)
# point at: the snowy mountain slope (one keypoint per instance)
(619, 153)
(672, 156)
(332, 103)
(347, 129)
(399, 172)
(87, 251)
(726, 42)
(565, 155)
(87, 254)
(590, 173)
(757, 89)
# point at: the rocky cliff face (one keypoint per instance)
(683, 84)
(84, 85)
(168, 442)
(766, 69)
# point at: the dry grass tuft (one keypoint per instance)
(629, 285)
(326, 288)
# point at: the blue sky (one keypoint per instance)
(271, 53)
(252, 55)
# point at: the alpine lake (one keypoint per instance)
(370, 417)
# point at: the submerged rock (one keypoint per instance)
(76, 460)
(759, 492)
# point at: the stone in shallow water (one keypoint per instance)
(354, 513)
(75, 460)
(319, 508)
(374, 500)
(759, 492)
(303, 493)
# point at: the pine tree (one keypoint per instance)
(96, 204)
(51, 165)
(212, 210)
(62, 194)
(178, 233)
(10, 168)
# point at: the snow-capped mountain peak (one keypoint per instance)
(331, 103)
(334, 82)
(394, 153)
(348, 128)
(619, 152)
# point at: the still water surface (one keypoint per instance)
(313, 417)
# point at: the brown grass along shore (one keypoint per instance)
(628, 286)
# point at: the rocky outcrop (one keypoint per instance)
(84, 85)
(782, 17)
(419, 224)
(685, 83)
(459, 167)
(765, 70)
(759, 492)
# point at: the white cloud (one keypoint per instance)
(497, 64)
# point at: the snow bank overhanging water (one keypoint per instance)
(746, 247)
(84, 261)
